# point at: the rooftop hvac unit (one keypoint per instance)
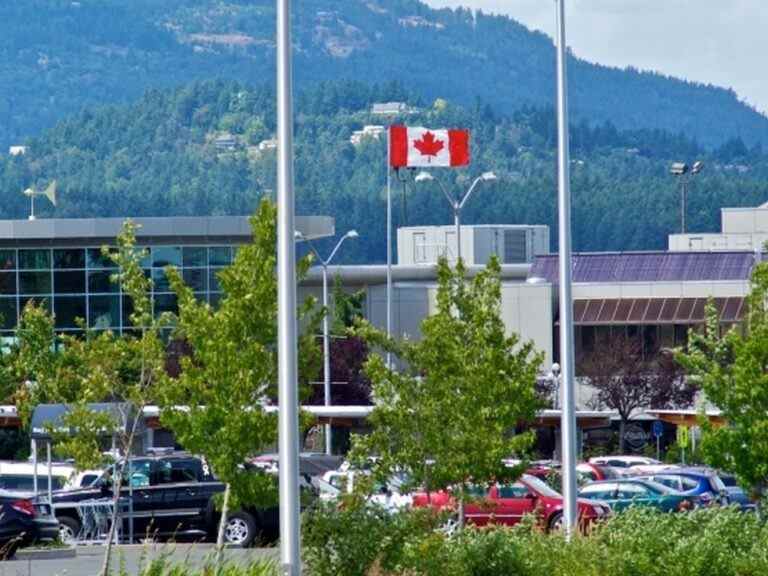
(515, 246)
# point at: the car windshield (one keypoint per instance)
(729, 480)
(540, 486)
(717, 483)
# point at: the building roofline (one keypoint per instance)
(162, 230)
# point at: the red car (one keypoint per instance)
(507, 504)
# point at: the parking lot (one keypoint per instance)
(89, 559)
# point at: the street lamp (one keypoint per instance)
(352, 234)
(457, 203)
(682, 170)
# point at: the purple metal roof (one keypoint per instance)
(649, 266)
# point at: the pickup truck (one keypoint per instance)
(172, 496)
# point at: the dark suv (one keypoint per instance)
(172, 495)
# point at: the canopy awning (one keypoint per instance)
(623, 311)
(47, 417)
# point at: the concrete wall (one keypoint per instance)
(744, 220)
(714, 242)
(724, 289)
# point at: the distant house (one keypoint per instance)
(225, 141)
(270, 144)
(372, 131)
(389, 108)
(17, 150)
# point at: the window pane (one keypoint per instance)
(69, 282)
(127, 311)
(69, 258)
(7, 313)
(7, 259)
(35, 282)
(214, 300)
(160, 279)
(97, 260)
(196, 278)
(195, 256)
(34, 259)
(166, 256)
(104, 312)
(100, 282)
(174, 471)
(67, 309)
(220, 256)
(214, 280)
(165, 303)
(7, 282)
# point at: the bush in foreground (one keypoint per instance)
(640, 542)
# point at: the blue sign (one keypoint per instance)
(658, 428)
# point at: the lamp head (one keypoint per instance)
(698, 166)
(423, 177)
(678, 169)
(29, 192)
(556, 369)
(298, 235)
(352, 234)
(488, 176)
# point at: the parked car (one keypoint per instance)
(20, 476)
(624, 461)
(507, 504)
(23, 522)
(736, 494)
(387, 495)
(622, 493)
(702, 482)
(588, 472)
(171, 495)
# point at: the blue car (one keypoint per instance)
(704, 483)
(736, 494)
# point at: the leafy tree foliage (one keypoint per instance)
(449, 416)
(214, 406)
(731, 370)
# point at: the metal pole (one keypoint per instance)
(34, 463)
(288, 414)
(50, 475)
(389, 249)
(568, 424)
(457, 223)
(683, 194)
(326, 359)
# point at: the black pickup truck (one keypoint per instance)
(172, 496)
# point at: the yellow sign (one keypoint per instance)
(682, 436)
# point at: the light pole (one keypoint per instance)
(568, 417)
(457, 203)
(681, 170)
(287, 371)
(352, 234)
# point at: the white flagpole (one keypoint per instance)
(389, 243)
(568, 418)
(288, 414)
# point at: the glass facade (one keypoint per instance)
(76, 283)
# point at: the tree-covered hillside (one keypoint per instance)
(57, 56)
(195, 150)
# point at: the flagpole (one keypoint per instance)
(389, 243)
(288, 418)
(568, 417)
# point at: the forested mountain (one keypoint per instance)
(196, 150)
(57, 56)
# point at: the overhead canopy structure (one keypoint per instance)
(622, 311)
(50, 417)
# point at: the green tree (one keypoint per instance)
(732, 372)
(449, 416)
(77, 371)
(231, 370)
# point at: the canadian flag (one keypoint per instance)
(417, 147)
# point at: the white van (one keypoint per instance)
(20, 476)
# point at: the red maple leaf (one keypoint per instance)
(428, 146)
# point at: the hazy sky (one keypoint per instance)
(723, 42)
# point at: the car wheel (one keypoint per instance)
(555, 522)
(239, 529)
(69, 528)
